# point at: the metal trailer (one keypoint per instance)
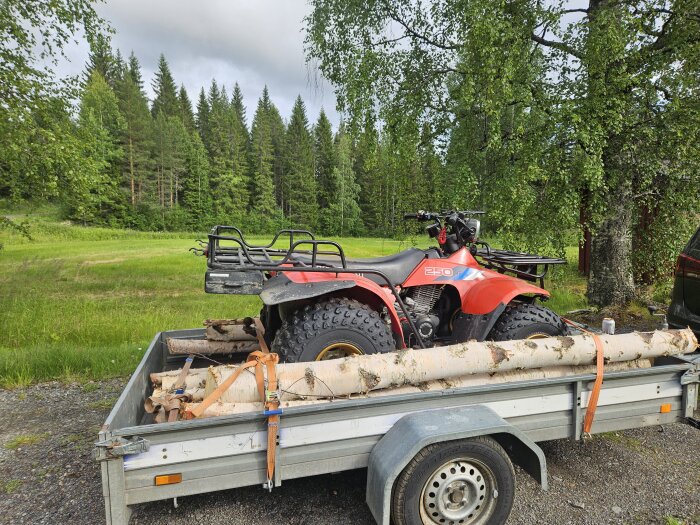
(384, 434)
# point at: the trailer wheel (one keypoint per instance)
(469, 481)
(527, 321)
(337, 327)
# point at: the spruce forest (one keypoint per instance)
(177, 163)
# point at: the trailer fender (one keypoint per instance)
(413, 432)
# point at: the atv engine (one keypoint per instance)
(420, 302)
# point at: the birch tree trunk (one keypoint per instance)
(611, 278)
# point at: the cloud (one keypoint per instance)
(252, 42)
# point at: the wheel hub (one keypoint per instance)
(456, 494)
(338, 350)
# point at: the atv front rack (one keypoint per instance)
(523, 265)
(238, 267)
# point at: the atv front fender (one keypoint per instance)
(485, 295)
(296, 286)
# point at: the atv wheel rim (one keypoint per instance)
(538, 335)
(461, 491)
(338, 350)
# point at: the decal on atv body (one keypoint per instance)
(458, 273)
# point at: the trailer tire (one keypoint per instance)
(527, 321)
(465, 482)
(340, 324)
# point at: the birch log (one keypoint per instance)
(228, 330)
(227, 408)
(202, 346)
(361, 374)
(158, 378)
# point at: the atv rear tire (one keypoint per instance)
(332, 328)
(527, 321)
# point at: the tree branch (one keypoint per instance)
(561, 46)
(447, 47)
(388, 41)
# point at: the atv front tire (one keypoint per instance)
(336, 327)
(527, 321)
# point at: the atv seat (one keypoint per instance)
(396, 267)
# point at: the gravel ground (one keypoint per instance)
(47, 475)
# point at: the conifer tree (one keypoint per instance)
(186, 113)
(323, 160)
(366, 167)
(343, 215)
(202, 117)
(165, 91)
(102, 60)
(120, 68)
(134, 71)
(238, 108)
(240, 138)
(299, 183)
(229, 184)
(265, 213)
(137, 135)
(93, 195)
(196, 197)
(171, 143)
(278, 131)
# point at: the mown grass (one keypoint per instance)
(83, 303)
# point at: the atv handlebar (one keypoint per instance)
(422, 216)
(452, 228)
(433, 215)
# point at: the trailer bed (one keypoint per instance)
(228, 452)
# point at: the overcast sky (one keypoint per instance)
(252, 42)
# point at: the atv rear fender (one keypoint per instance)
(297, 286)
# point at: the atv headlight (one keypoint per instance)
(475, 225)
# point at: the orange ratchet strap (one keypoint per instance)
(600, 369)
(270, 397)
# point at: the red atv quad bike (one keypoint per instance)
(318, 304)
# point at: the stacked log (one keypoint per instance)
(454, 366)
(223, 336)
(228, 408)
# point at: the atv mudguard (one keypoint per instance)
(485, 300)
(485, 295)
(296, 286)
(280, 289)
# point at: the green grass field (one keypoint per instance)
(83, 303)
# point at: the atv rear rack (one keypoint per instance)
(228, 249)
(523, 265)
(246, 264)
